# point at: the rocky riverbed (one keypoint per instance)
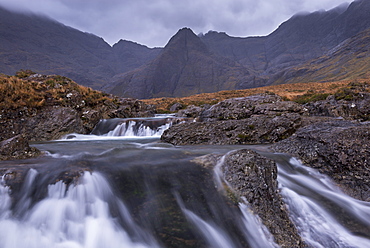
(330, 135)
(46, 107)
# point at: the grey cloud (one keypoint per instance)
(153, 23)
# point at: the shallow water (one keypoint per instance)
(101, 191)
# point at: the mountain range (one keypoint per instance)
(318, 46)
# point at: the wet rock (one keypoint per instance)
(253, 130)
(53, 122)
(17, 148)
(339, 149)
(254, 178)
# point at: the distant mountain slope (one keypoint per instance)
(301, 38)
(43, 45)
(349, 60)
(298, 50)
(184, 67)
(130, 55)
(46, 46)
(298, 40)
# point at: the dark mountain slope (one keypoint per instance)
(301, 38)
(40, 44)
(348, 60)
(130, 55)
(43, 45)
(188, 64)
(184, 67)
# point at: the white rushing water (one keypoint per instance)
(307, 192)
(257, 234)
(130, 129)
(70, 217)
(80, 215)
(214, 236)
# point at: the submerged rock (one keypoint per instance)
(339, 149)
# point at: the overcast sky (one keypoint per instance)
(154, 22)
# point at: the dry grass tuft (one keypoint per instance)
(35, 91)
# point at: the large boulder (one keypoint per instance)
(237, 108)
(253, 130)
(52, 122)
(348, 105)
(339, 149)
(252, 178)
(262, 118)
(17, 147)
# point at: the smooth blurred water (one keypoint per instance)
(101, 191)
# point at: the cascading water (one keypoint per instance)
(70, 216)
(134, 127)
(322, 213)
(95, 191)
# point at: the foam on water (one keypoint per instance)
(77, 216)
(307, 193)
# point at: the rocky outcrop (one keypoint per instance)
(46, 107)
(52, 122)
(257, 119)
(237, 108)
(339, 149)
(253, 130)
(346, 104)
(253, 177)
(315, 132)
(17, 148)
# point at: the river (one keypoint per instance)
(122, 187)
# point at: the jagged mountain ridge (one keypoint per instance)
(184, 67)
(43, 45)
(260, 61)
(215, 61)
(299, 39)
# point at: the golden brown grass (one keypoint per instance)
(17, 92)
(287, 91)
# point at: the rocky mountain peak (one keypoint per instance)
(184, 40)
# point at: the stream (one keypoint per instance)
(121, 187)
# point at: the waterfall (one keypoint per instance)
(214, 236)
(321, 212)
(133, 127)
(5, 200)
(94, 191)
(73, 216)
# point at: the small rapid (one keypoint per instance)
(136, 127)
(131, 190)
(323, 214)
(74, 216)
